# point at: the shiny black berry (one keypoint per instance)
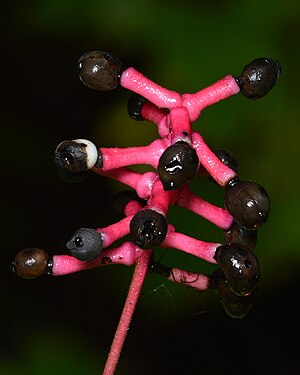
(77, 156)
(99, 70)
(240, 267)
(259, 77)
(228, 158)
(123, 198)
(148, 229)
(86, 244)
(248, 202)
(134, 106)
(177, 165)
(240, 234)
(235, 306)
(30, 263)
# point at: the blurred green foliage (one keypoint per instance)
(184, 46)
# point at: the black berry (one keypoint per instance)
(177, 165)
(248, 202)
(235, 306)
(99, 70)
(240, 267)
(30, 263)
(86, 244)
(238, 233)
(77, 156)
(148, 229)
(259, 77)
(134, 106)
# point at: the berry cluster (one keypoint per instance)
(178, 155)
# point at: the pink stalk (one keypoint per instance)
(115, 231)
(218, 170)
(137, 281)
(116, 157)
(180, 125)
(220, 90)
(141, 183)
(160, 200)
(216, 215)
(158, 116)
(198, 281)
(133, 80)
(126, 254)
(190, 245)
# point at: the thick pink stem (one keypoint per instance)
(126, 254)
(137, 281)
(198, 281)
(115, 231)
(216, 215)
(134, 81)
(160, 200)
(116, 157)
(190, 245)
(141, 183)
(180, 125)
(218, 170)
(220, 90)
(158, 116)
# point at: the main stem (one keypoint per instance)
(137, 281)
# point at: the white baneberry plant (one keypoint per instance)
(177, 156)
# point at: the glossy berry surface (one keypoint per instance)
(240, 267)
(148, 228)
(30, 263)
(228, 158)
(86, 244)
(77, 156)
(259, 77)
(177, 165)
(99, 70)
(134, 106)
(235, 306)
(248, 202)
(240, 234)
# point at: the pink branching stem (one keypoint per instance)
(116, 157)
(137, 281)
(141, 183)
(218, 170)
(160, 200)
(216, 215)
(222, 89)
(158, 116)
(115, 231)
(190, 245)
(126, 254)
(180, 125)
(134, 81)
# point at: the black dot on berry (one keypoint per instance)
(30, 263)
(99, 70)
(86, 244)
(240, 267)
(259, 77)
(148, 229)
(177, 165)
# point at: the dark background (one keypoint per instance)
(65, 325)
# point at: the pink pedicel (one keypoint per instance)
(197, 281)
(126, 254)
(220, 90)
(173, 114)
